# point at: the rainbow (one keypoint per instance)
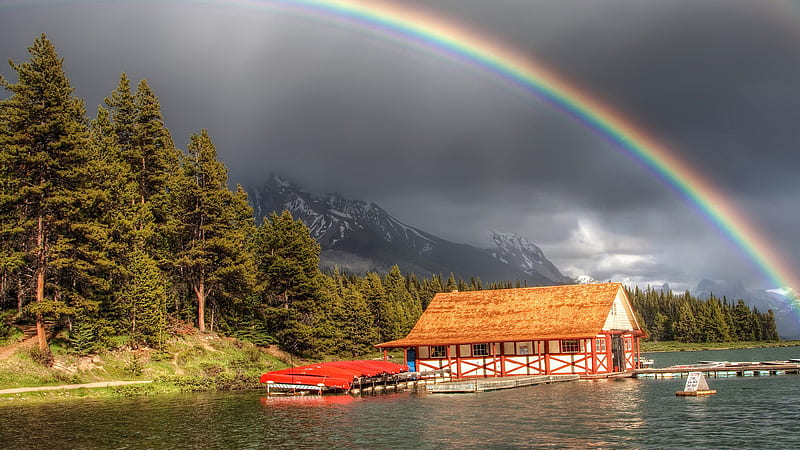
(425, 31)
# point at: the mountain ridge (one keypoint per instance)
(361, 236)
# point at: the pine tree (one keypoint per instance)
(770, 332)
(686, 329)
(115, 129)
(451, 285)
(135, 224)
(214, 227)
(154, 151)
(287, 260)
(122, 104)
(400, 300)
(741, 315)
(349, 322)
(43, 136)
(144, 301)
(385, 313)
(115, 195)
(429, 289)
(356, 323)
(717, 329)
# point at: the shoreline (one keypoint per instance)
(115, 389)
(675, 346)
(66, 387)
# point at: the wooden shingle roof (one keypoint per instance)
(505, 315)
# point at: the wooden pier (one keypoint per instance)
(493, 384)
(400, 382)
(364, 385)
(724, 369)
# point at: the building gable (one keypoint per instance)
(621, 316)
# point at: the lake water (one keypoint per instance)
(747, 412)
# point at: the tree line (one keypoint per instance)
(682, 317)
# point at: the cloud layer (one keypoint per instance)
(453, 152)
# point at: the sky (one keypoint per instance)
(454, 151)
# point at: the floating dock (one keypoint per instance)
(723, 369)
(401, 382)
(353, 377)
(695, 393)
(492, 384)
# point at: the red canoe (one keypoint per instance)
(336, 374)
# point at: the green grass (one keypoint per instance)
(154, 388)
(675, 346)
(193, 363)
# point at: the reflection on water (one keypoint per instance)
(623, 413)
(306, 400)
(583, 414)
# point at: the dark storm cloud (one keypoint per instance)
(454, 152)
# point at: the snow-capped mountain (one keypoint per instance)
(782, 302)
(518, 251)
(585, 279)
(361, 237)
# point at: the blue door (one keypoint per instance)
(411, 360)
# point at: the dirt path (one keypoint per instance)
(72, 386)
(178, 369)
(8, 352)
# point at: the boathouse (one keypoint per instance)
(589, 330)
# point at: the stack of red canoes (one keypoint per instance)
(336, 374)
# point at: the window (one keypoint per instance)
(480, 349)
(437, 351)
(572, 346)
(600, 345)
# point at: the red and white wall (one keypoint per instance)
(586, 356)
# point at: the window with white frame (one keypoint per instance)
(600, 345)
(570, 346)
(480, 349)
(438, 351)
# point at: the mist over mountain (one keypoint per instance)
(359, 236)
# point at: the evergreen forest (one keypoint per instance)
(685, 318)
(110, 232)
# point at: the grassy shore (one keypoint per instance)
(675, 346)
(191, 363)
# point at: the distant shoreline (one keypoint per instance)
(675, 346)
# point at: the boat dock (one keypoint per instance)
(354, 377)
(492, 384)
(724, 369)
(400, 382)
